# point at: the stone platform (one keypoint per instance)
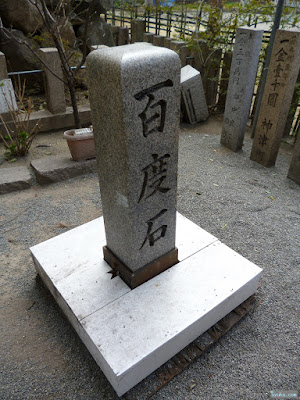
(130, 333)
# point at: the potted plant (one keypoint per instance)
(81, 143)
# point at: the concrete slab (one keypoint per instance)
(130, 333)
(59, 168)
(14, 178)
(64, 120)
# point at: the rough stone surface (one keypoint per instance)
(279, 88)
(7, 97)
(158, 40)
(192, 95)
(136, 119)
(138, 28)
(55, 90)
(18, 56)
(241, 84)
(14, 178)
(148, 37)
(3, 68)
(20, 14)
(123, 36)
(98, 32)
(57, 168)
(294, 170)
(168, 42)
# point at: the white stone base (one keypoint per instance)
(130, 333)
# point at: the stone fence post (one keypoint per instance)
(138, 28)
(55, 90)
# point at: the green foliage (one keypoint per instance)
(18, 135)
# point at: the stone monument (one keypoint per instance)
(193, 96)
(136, 134)
(241, 84)
(131, 331)
(277, 96)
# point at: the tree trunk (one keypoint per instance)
(71, 87)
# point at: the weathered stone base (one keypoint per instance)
(130, 333)
(135, 279)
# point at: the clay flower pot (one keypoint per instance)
(81, 143)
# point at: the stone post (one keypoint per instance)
(148, 37)
(55, 90)
(3, 68)
(135, 116)
(167, 42)
(138, 28)
(192, 94)
(158, 41)
(241, 85)
(277, 96)
(294, 170)
(123, 36)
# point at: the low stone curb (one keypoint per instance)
(57, 168)
(46, 170)
(14, 178)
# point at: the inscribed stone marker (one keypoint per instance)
(241, 84)
(277, 96)
(136, 120)
(193, 96)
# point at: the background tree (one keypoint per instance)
(53, 19)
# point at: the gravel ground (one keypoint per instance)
(254, 210)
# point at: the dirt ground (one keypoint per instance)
(250, 208)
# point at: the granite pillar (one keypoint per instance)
(294, 170)
(277, 96)
(54, 87)
(3, 67)
(241, 85)
(138, 28)
(135, 117)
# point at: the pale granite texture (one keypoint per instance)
(135, 96)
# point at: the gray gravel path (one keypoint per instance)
(254, 210)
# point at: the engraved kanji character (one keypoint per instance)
(278, 70)
(154, 115)
(272, 99)
(154, 175)
(266, 125)
(160, 232)
(262, 140)
(281, 54)
(275, 84)
(237, 71)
